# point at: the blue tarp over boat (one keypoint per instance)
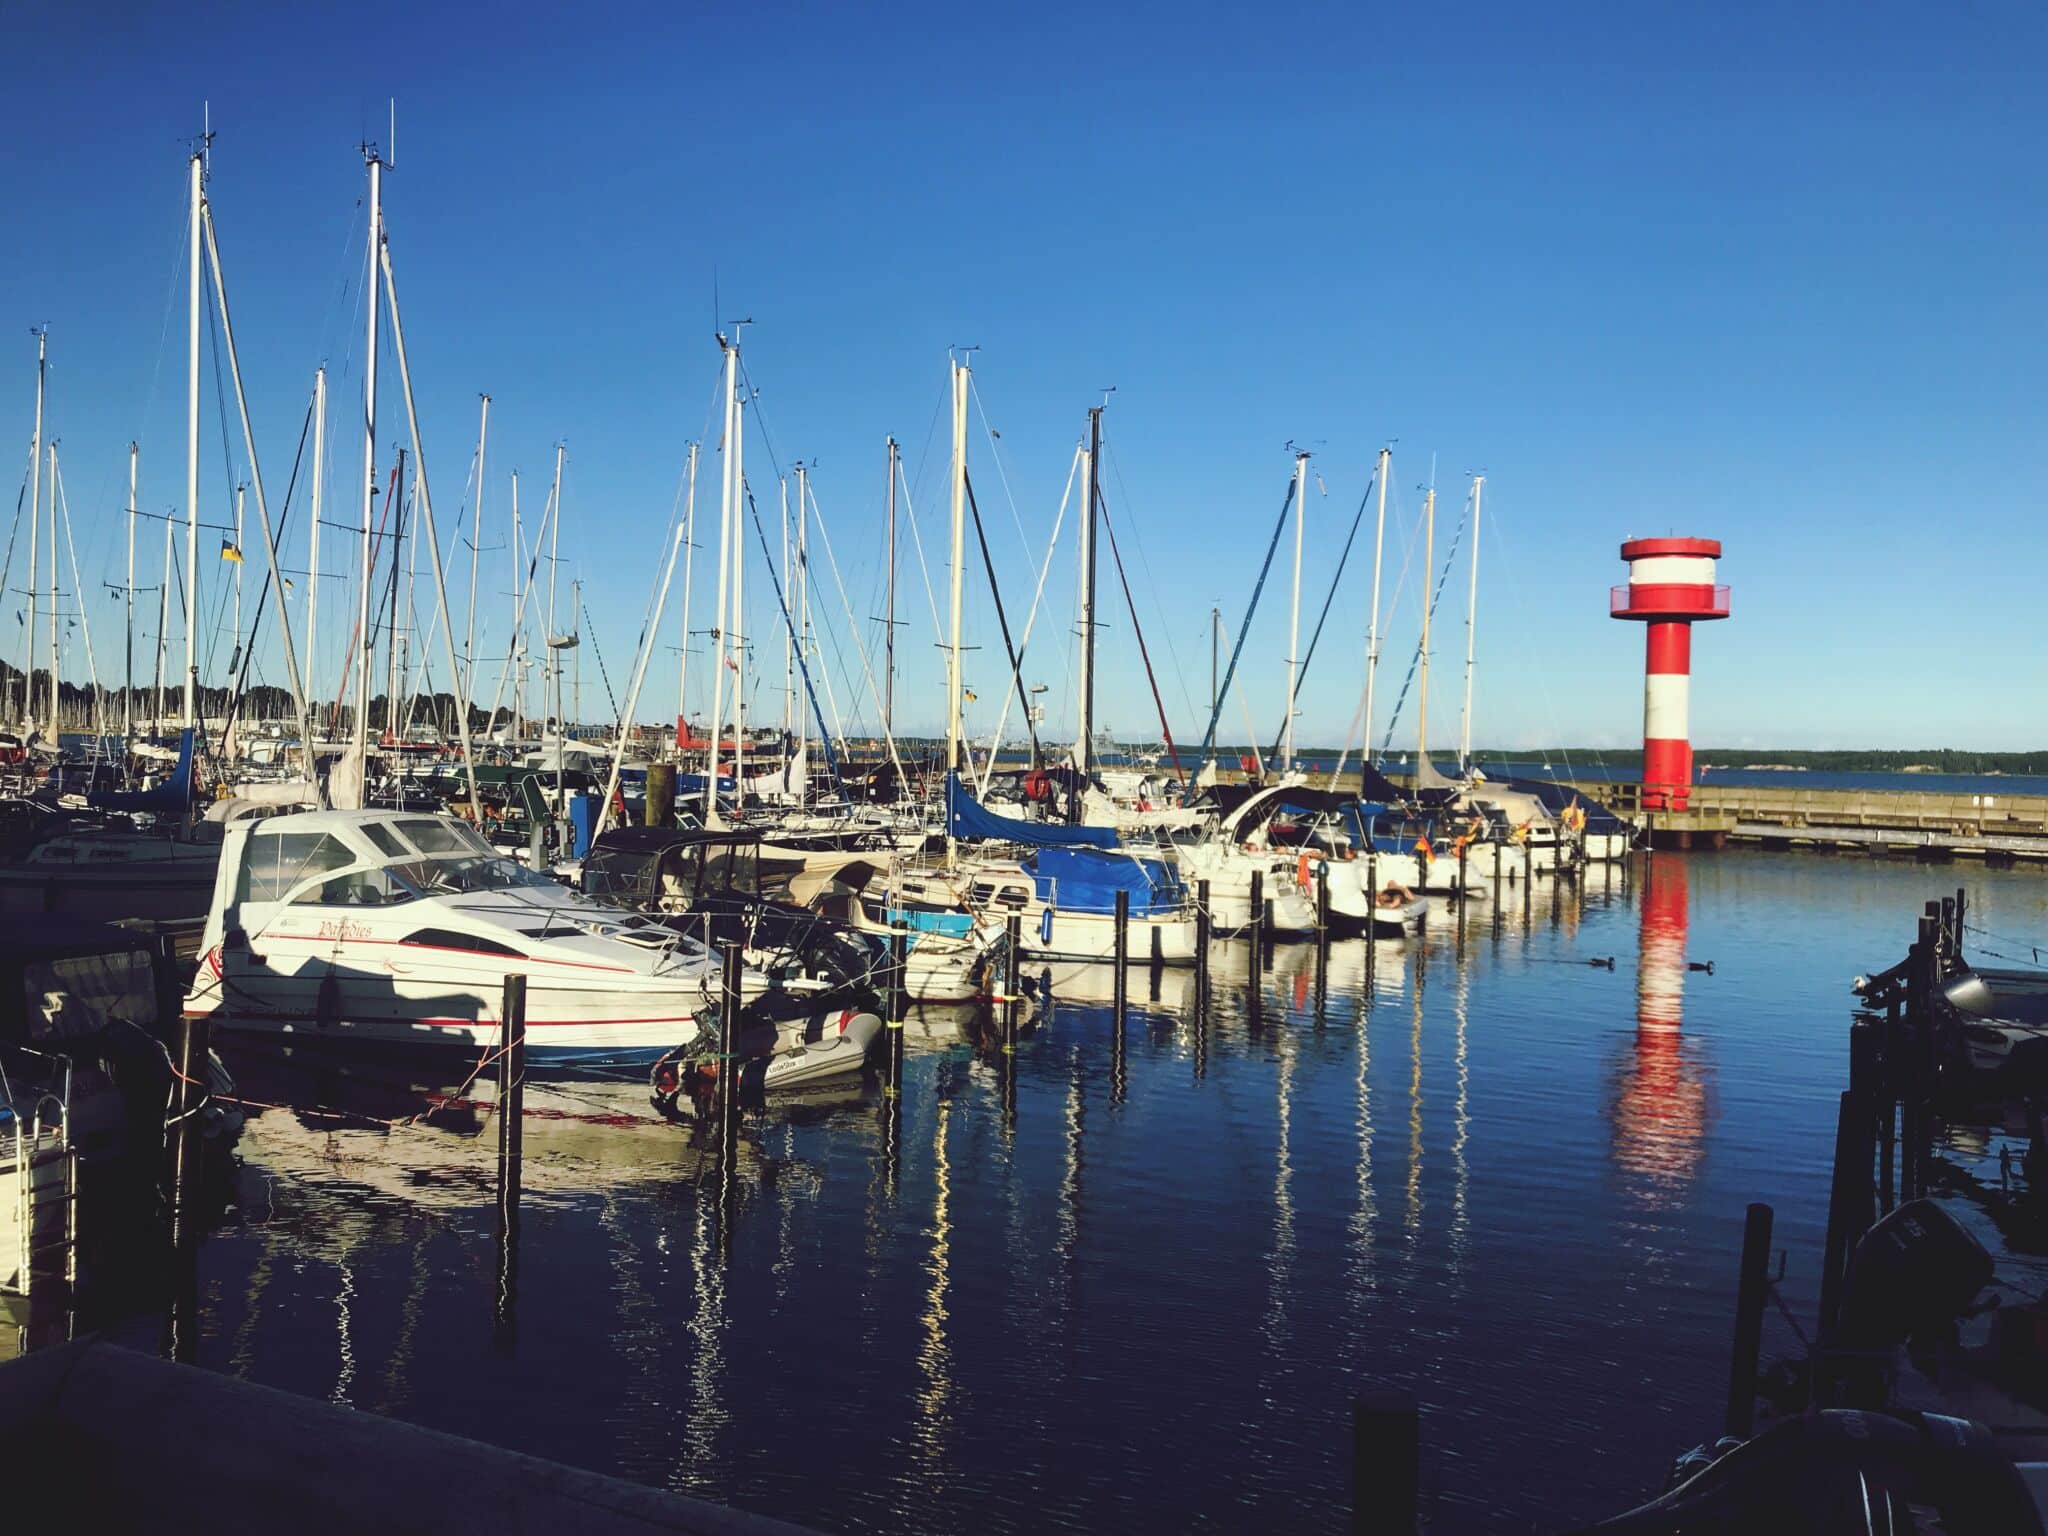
(173, 797)
(967, 817)
(1087, 880)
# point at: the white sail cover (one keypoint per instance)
(789, 782)
(345, 781)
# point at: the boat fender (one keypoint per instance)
(1045, 926)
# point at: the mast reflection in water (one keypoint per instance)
(1472, 1165)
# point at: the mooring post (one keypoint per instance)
(511, 1150)
(899, 968)
(1201, 944)
(1750, 1293)
(1386, 1463)
(1323, 937)
(1121, 953)
(1464, 852)
(1528, 863)
(1962, 901)
(195, 1033)
(1256, 909)
(660, 809)
(1849, 1209)
(732, 962)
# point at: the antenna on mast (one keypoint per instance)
(393, 140)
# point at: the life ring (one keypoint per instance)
(1038, 785)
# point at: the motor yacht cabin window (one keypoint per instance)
(432, 835)
(449, 938)
(278, 861)
(370, 887)
(386, 840)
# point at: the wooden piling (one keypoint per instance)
(195, 1033)
(1202, 944)
(511, 1150)
(1850, 1206)
(899, 968)
(1386, 1463)
(1751, 1291)
(660, 807)
(1256, 910)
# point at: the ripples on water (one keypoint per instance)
(1481, 1168)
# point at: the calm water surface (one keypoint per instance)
(1476, 1167)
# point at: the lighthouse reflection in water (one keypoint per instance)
(1080, 1285)
(1660, 1109)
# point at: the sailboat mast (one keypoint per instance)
(398, 490)
(235, 651)
(718, 630)
(365, 639)
(476, 540)
(197, 171)
(1372, 641)
(803, 576)
(1294, 615)
(1428, 583)
(128, 686)
(689, 559)
(518, 615)
(739, 599)
(1471, 632)
(554, 694)
(56, 725)
(1091, 468)
(1215, 645)
(313, 543)
(953, 681)
(163, 620)
(889, 613)
(789, 589)
(35, 522)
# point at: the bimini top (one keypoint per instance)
(967, 817)
(1087, 880)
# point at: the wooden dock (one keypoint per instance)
(1911, 822)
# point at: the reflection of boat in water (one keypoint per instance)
(1660, 1107)
(580, 1138)
(433, 1143)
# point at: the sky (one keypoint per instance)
(1765, 274)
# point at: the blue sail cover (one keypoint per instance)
(1087, 880)
(967, 817)
(173, 797)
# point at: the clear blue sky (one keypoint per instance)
(1769, 274)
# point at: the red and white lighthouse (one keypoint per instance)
(1670, 588)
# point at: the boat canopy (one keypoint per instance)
(1558, 798)
(1087, 880)
(173, 797)
(967, 817)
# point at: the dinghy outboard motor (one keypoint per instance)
(1914, 1274)
(1843, 1472)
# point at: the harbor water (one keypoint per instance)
(1085, 1288)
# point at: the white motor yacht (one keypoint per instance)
(395, 929)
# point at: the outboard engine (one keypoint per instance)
(1915, 1273)
(1842, 1472)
